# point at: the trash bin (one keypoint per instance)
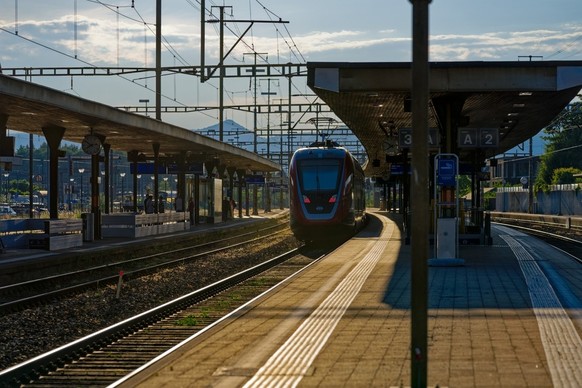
(88, 227)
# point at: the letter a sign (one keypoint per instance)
(468, 138)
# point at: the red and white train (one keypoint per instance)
(327, 193)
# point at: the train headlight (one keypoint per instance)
(332, 199)
(306, 199)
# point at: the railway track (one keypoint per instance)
(110, 354)
(17, 296)
(563, 239)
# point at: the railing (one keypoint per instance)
(562, 187)
(567, 222)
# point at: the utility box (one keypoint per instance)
(88, 226)
(446, 238)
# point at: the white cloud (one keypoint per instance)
(102, 41)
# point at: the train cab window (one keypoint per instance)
(319, 175)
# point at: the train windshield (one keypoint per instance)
(320, 174)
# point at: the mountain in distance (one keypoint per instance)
(237, 135)
(233, 133)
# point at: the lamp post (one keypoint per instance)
(138, 187)
(166, 190)
(6, 175)
(122, 175)
(71, 193)
(105, 192)
(152, 192)
(81, 171)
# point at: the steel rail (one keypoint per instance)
(31, 283)
(42, 364)
(548, 235)
(17, 304)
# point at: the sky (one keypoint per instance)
(60, 33)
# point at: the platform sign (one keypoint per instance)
(478, 138)
(191, 168)
(147, 168)
(488, 137)
(256, 179)
(405, 137)
(468, 138)
(398, 169)
(447, 172)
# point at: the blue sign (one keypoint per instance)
(398, 169)
(447, 172)
(147, 168)
(192, 168)
(259, 179)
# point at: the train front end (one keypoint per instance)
(321, 193)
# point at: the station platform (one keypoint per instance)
(12, 257)
(510, 316)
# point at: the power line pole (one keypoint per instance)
(221, 75)
(220, 66)
(269, 94)
(159, 60)
(255, 71)
(289, 124)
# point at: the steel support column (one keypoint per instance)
(156, 148)
(53, 136)
(419, 193)
(106, 176)
(95, 209)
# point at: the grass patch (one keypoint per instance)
(190, 320)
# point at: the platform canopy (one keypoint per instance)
(476, 109)
(28, 107)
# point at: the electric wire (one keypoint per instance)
(44, 46)
(568, 46)
(141, 20)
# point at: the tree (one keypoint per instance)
(565, 175)
(42, 151)
(564, 143)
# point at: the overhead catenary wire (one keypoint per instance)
(119, 12)
(576, 40)
(60, 52)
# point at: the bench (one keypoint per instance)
(129, 225)
(58, 234)
(50, 234)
